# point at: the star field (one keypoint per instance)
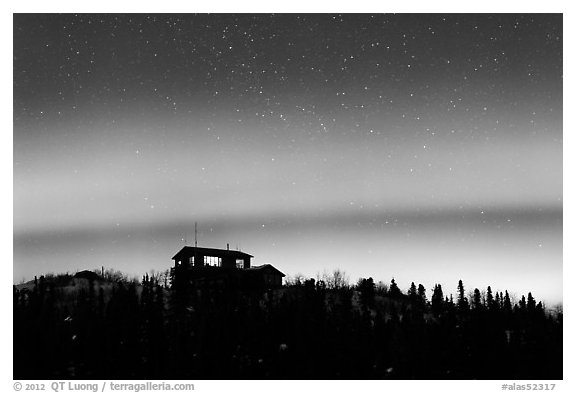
(319, 69)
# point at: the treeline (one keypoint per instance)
(309, 329)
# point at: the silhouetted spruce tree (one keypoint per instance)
(462, 301)
(145, 296)
(477, 300)
(422, 294)
(412, 292)
(522, 303)
(394, 291)
(489, 298)
(531, 304)
(437, 299)
(450, 306)
(496, 304)
(507, 305)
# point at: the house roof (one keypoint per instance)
(267, 267)
(187, 252)
(88, 275)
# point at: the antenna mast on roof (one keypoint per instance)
(195, 234)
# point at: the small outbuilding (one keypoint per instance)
(271, 276)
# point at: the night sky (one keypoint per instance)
(427, 148)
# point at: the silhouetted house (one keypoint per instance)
(272, 277)
(213, 267)
(202, 257)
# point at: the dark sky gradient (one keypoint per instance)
(424, 147)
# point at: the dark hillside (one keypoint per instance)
(67, 327)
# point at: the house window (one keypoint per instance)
(212, 261)
(239, 263)
(192, 261)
